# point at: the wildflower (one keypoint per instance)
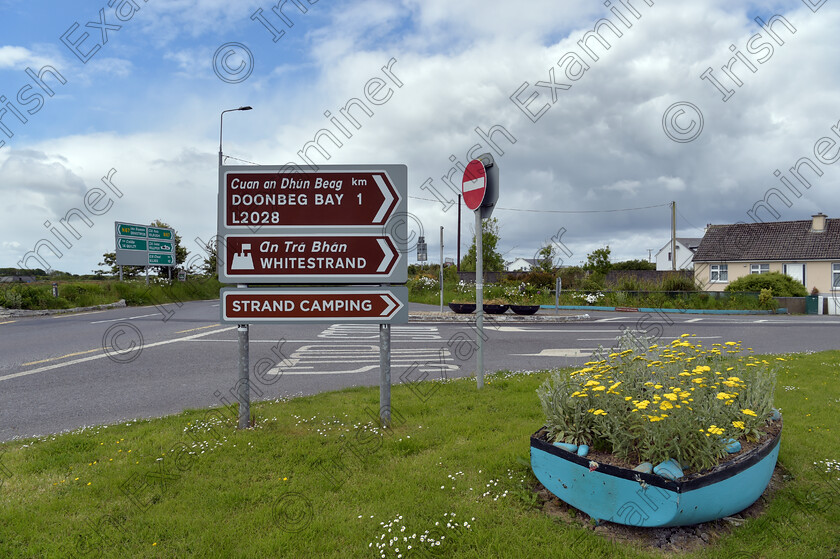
(738, 424)
(715, 430)
(672, 397)
(599, 412)
(666, 405)
(749, 412)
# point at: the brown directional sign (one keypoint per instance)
(310, 259)
(319, 305)
(259, 198)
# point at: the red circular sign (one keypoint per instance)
(474, 184)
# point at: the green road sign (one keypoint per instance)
(160, 246)
(160, 259)
(158, 233)
(126, 230)
(131, 244)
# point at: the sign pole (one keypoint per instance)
(479, 298)
(147, 275)
(244, 380)
(385, 375)
(121, 274)
(441, 268)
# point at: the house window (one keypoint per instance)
(719, 273)
(759, 268)
(835, 276)
(669, 257)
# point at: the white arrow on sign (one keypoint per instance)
(391, 304)
(388, 198)
(389, 255)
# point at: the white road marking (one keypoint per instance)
(531, 330)
(560, 352)
(694, 320)
(613, 339)
(341, 357)
(610, 319)
(370, 331)
(103, 355)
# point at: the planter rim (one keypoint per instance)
(694, 481)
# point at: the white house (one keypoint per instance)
(521, 265)
(685, 252)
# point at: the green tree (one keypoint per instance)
(211, 249)
(633, 265)
(545, 259)
(180, 251)
(598, 260)
(492, 260)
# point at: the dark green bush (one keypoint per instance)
(782, 285)
(675, 282)
(540, 279)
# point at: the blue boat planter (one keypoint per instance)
(625, 496)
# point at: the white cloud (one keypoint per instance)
(599, 147)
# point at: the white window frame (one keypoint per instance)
(715, 271)
(759, 268)
(835, 276)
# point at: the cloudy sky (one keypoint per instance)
(580, 124)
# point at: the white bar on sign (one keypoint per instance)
(474, 184)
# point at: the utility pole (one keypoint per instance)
(674, 235)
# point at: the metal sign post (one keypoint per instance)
(480, 188)
(441, 268)
(385, 375)
(479, 298)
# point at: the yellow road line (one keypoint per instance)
(194, 329)
(72, 314)
(8, 322)
(62, 357)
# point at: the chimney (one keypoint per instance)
(818, 222)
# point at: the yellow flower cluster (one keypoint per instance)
(657, 392)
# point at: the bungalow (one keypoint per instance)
(521, 265)
(685, 251)
(807, 250)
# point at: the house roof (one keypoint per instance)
(779, 240)
(691, 243)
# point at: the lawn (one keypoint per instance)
(317, 478)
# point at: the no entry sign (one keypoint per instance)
(379, 305)
(474, 184)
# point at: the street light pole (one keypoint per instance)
(243, 384)
(222, 123)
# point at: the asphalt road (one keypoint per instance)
(56, 376)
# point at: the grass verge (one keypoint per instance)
(39, 295)
(317, 478)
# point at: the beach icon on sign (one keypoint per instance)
(243, 259)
